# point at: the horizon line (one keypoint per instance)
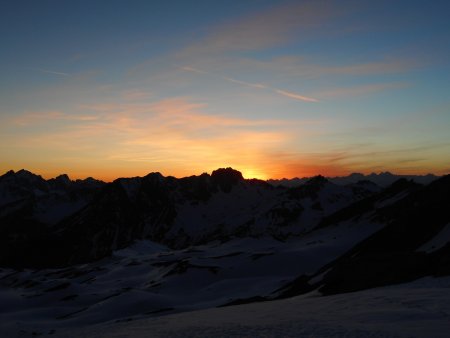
(75, 178)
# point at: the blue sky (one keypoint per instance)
(273, 88)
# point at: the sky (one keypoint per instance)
(272, 88)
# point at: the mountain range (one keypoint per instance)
(382, 179)
(153, 245)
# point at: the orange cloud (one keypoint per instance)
(176, 137)
(172, 135)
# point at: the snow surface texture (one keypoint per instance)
(231, 243)
(148, 279)
(417, 309)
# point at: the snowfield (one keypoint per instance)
(219, 256)
(148, 279)
(417, 309)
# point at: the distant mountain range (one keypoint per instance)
(152, 245)
(382, 179)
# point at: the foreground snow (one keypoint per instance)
(148, 279)
(417, 309)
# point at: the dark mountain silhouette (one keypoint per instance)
(382, 179)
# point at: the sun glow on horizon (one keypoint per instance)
(249, 173)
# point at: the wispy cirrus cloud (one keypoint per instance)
(173, 135)
(267, 28)
(223, 53)
(302, 66)
(194, 70)
(367, 159)
(135, 94)
(361, 90)
(32, 118)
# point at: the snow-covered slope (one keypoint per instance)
(30, 206)
(152, 246)
(175, 212)
(148, 279)
(417, 309)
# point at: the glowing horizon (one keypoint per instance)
(246, 173)
(274, 89)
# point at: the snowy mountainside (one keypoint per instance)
(151, 246)
(31, 205)
(175, 212)
(47, 201)
(148, 279)
(414, 218)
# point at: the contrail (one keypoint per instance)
(193, 70)
(295, 96)
(285, 93)
(248, 84)
(51, 72)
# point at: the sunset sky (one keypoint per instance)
(272, 88)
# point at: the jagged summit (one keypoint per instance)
(228, 172)
(22, 173)
(226, 178)
(63, 179)
(317, 180)
(8, 173)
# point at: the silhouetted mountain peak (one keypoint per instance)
(154, 177)
(226, 178)
(91, 180)
(227, 172)
(318, 180)
(25, 174)
(442, 180)
(8, 174)
(64, 179)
